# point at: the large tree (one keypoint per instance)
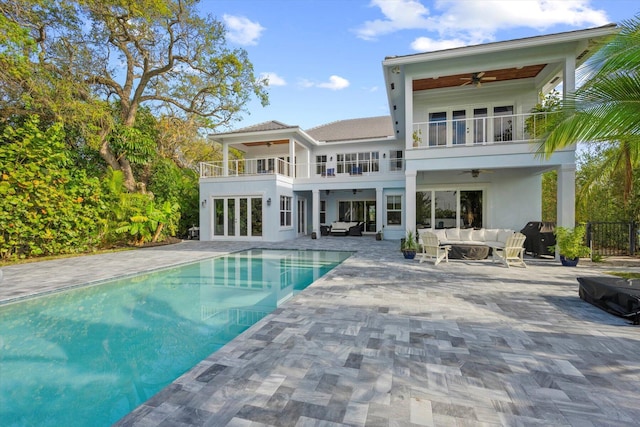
(89, 55)
(605, 109)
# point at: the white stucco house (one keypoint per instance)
(456, 151)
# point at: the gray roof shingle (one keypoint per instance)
(353, 129)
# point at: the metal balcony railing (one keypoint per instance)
(262, 166)
(481, 130)
(249, 167)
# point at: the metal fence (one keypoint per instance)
(613, 238)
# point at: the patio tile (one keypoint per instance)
(384, 341)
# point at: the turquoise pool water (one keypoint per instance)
(88, 356)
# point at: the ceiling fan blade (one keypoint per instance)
(488, 78)
(479, 75)
(466, 83)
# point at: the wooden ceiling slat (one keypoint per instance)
(457, 79)
(255, 144)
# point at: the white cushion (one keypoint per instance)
(490, 235)
(478, 235)
(441, 233)
(503, 235)
(453, 233)
(466, 234)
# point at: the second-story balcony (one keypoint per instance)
(348, 168)
(262, 166)
(480, 130)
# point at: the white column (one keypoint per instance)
(225, 159)
(410, 200)
(315, 212)
(408, 112)
(567, 195)
(569, 76)
(292, 156)
(379, 209)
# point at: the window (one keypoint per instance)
(394, 210)
(323, 211)
(437, 129)
(285, 211)
(479, 125)
(321, 165)
(503, 123)
(357, 163)
(266, 165)
(439, 209)
(397, 164)
(459, 127)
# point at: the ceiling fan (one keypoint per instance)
(476, 172)
(476, 79)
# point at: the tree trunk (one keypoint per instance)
(157, 233)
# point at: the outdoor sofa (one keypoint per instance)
(470, 243)
(343, 228)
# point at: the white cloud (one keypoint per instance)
(334, 83)
(399, 14)
(272, 79)
(241, 30)
(456, 23)
(425, 44)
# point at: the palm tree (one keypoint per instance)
(606, 108)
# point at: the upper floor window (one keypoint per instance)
(357, 163)
(396, 162)
(321, 165)
(438, 128)
(503, 123)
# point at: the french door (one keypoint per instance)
(237, 216)
(302, 217)
(360, 211)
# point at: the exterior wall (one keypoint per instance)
(511, 197)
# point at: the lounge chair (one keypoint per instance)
(513, 251)
(431, 249)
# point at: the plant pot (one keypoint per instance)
(378, 236)
(569, 262)
(314, 235)
(408, 254)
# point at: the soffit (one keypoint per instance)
(458, 79)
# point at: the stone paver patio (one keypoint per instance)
(383, 341)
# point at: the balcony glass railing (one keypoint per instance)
(481, 130)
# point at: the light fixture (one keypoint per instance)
(204, 203)
(393, 86)
(269, 144)
(384, 155)
(396, 69)
(475, 173)
(327, 192)
(354, 191)
(330, 158)
(269, 201)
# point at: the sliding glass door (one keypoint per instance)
(359, 211)
(456, 208)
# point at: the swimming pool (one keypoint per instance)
(90, 355)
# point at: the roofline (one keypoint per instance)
(221, 137)
(525, 42)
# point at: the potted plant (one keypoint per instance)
(417, 137)
(570, 244)
(379, 234)
(409, 245)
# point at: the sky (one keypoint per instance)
(323, 58)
